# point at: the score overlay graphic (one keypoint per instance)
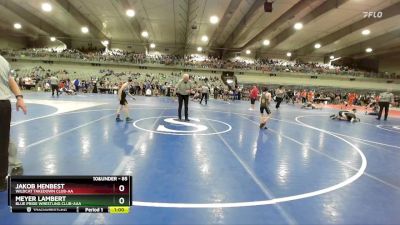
(70, 194)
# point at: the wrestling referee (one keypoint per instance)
(7, 85)
(183, 90)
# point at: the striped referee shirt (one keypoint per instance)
(5, 92)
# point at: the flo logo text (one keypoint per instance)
(373, 14)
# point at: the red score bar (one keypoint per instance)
(68, 186)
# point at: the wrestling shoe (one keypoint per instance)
(17, 171)
(118, 119)
(128, 120)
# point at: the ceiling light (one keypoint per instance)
(204, 38)
(331, 57)
(199, 49)
(85, 30)
(318, 45)
(368, 49)
(130, 12)
(52, 39)
(17, 26)
(46, 7)
(289, 54)
(266, 42)
(248, 52)
(145, 34)
(214, 19)
(152, 45)
(365, 32)
(298, 26)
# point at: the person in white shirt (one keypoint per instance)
(385, 98)
(279, 93)
(54, 85)
(183, 90)
(204, 93)
(8, 86)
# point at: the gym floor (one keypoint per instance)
(220, 169)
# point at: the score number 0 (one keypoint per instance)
(121, 200)
(121, 188)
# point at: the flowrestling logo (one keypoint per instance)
(373, 14)
(173, 126)
(196, 127)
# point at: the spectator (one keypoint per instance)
(253, 96)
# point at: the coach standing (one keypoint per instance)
(183, 89)
(385, 98)
(7, 85)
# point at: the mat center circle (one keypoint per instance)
(172, 126)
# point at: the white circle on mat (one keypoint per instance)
(199, 126)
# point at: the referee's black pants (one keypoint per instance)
(381, 106)
(183, 99)
(204, 96)
(5, 120)
(54, 88)
(278, 102)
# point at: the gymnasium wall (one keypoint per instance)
(12, 42)
(282, 55)
(390, 64)
(127, 47)
(85, 43)
(140, 47)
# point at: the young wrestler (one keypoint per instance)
(123, 103)
(346, 115)
(265, 99)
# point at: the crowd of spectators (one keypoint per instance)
(300, 94)
(163, 84)
(265, 65)
(108, 81)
